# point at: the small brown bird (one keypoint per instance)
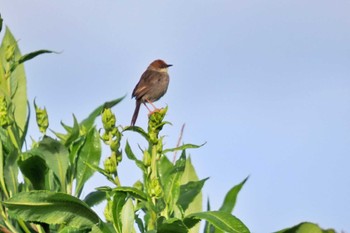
(152, 86)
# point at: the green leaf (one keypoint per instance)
(31, 55)
(188, 192)
(119, 200)
(138, 130)
(128, 217)
(164, 166)
(231, 197)
(95, 198)
(72, 132)
(103, 227)
(221, 220)
(11, 172)
(172, 225)
(89, 121)
(15, 86)
(197, 204)
(89, 153)
(34, 168)
(208, 228)
(101, 171)
(56, 157)
(69, 229)
(183, 147)
(171, 183)
(51, 208)
(306, 227)
(132, 156)
(134, 192)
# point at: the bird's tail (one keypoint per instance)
(136, 112)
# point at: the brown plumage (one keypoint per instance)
(152, 86)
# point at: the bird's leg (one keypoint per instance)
(155, 108)
(150, 102)
(147, 107)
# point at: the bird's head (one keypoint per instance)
(159, 65)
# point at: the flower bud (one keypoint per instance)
(110, 165)
(105, 137)
(146, 158)
(138, 185)
(108, 119)
(42, 118)
(155, 188)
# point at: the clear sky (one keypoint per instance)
(265, 83)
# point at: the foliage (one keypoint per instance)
(167, 198)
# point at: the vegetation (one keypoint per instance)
(167, 198)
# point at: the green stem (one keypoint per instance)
(154, 162)
(23, 225)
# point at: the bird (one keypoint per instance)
(152, 85)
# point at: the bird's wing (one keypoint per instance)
(147, 81)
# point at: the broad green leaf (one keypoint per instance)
(172, 182)
(172, 225)
(164, 166)
(89, 121)
(89, 153)
(52, 208)
(14, 86)
(221, 220)
(95, 198)
(56, 157)
(119, 200)
(183, 147)
(306, 227)
(128, 217)
(197, 204)
(34, 168)
(231, 197)
(188, 192)
(134, 192)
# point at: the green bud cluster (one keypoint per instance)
(111, 137)
(155, 188)
(5, 120)
(155, 124)
(42, 118)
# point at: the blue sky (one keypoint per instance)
(265, 83)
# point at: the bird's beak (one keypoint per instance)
(169, 65)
